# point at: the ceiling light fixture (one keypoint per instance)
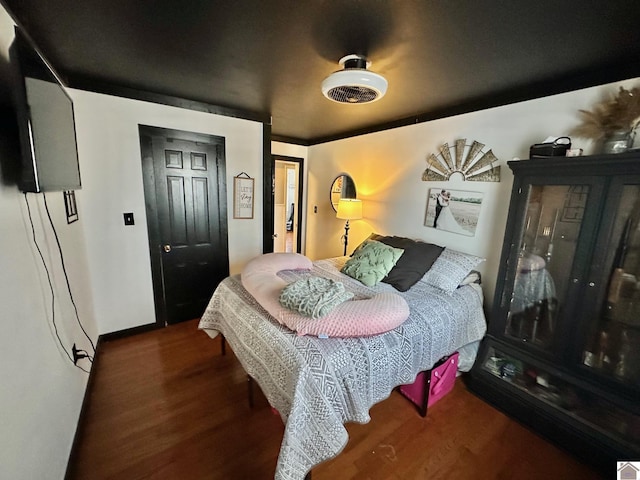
(354, 84)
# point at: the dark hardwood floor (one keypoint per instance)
(166, 405)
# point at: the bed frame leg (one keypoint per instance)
(223, 348)
(250, 390)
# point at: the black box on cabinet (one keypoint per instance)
(557, 148)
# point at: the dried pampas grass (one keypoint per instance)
(620, 113)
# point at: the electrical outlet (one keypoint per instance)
(76, 354)
(128, 218)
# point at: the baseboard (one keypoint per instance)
(87, 393)
(83, 409)
(106, 337)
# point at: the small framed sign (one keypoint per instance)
(70, 205)
(243, 186)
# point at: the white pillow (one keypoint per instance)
(450, 269)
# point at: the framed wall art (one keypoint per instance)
(455, 211)
(243, 186)
(70, 206)
(466, 159)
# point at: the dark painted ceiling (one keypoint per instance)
(269, 57)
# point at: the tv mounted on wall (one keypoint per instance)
(46, 123)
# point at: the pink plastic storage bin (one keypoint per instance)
(431, 385)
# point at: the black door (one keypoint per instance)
(185, 193)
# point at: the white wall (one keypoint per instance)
(387, 168)
(41, 391)
(111, 169)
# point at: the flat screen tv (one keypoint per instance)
(46, 123)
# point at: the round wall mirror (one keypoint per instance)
(342, 187)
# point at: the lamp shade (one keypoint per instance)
(349, 209)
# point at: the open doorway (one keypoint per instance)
(287, 203)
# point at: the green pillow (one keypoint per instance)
(371, 262)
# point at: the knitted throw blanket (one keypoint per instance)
(314, 297)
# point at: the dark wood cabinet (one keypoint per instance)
(562, 351)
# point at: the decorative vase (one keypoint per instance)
(617, 142)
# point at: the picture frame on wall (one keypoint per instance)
(243, 198)
(455, 211)
(70, 206)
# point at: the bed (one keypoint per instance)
(319, 384)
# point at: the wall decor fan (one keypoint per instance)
(466, 159)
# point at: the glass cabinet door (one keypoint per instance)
(552, 222)
(612, 347)
(551, 389)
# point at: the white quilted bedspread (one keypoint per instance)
(318, 385)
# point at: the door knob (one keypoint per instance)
(275, 235)
(167, 248)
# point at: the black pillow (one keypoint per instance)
(373, 236)
(417, 259)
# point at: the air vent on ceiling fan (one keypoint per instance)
(354, 84)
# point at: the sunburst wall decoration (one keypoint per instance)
(468, 160)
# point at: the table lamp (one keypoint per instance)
(348, 209)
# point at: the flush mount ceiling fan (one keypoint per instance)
(354, 84)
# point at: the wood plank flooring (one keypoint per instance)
(166, 405)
